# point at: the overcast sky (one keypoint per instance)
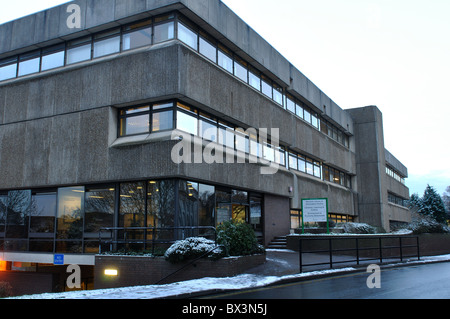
(392, 54)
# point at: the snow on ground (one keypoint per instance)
(243, 281)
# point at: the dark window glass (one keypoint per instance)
(188, 207)
(135, 125)
(161, 204)
(3, 209)
(206, 205)
(132, 205)
(17, 216)
(99, 209)
(42, 214)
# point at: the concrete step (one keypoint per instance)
(278, 243)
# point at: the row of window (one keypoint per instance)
(225, 58)
(394, 199)
(296, 219)
(69, 219)
(129, 37)
(153, 31)
(395, 175)
(164, 116)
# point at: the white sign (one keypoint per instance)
(314, 210)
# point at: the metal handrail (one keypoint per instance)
(357, 249)
(114, 241)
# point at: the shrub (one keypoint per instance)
(421, 224)
(238, 238)
(359, 228)
(191, 248)
(5, 289)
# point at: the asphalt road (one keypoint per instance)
(426, 281)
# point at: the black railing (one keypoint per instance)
(365, 248)
(149, 238)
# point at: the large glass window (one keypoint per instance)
(187, 36)
(254, 80)
(161, 204)
(208, 129)
(17, 216)
(290, 105)
(42, 214)
(70, 213)
(135, 121)
(132, 205)
(162, 121)
(188, 207)
(3, 209)
(138, 35)
(107, 46)
(266, 87)
(206, 205)
(99, 208)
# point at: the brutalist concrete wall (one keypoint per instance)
(370, 166)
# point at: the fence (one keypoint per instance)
(364, 249)
(149, 238)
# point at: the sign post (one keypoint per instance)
(315, 210)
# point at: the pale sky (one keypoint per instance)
(394, 54)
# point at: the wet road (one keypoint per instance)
(427, 281)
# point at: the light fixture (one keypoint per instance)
(111, 272)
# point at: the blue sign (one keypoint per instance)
(58, 259)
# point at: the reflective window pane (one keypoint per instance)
(254, 80)
(293, 161)
(278, 96)
(106, 47)
(240, 71)
(135, 125)
(29, 66)
(132, 205)
(187, 123)
(161, 206)
(79, 54)
(225, 61)
(307, 116)
(3, 209)
(206, 205)
(208, 50)
(42, 214)
(137, 39)
(99, 209)
(52, 61)
(70, 213)
(187, 36)
(266, 89)
(301, 164)
(290, 105)
(208, 131)
(17, 214)
(8, 72)
(164, 32)
(162, 121)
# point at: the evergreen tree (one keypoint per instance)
(414, 201)
(431, 204)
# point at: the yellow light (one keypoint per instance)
(111, 272)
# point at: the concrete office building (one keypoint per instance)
(93, 92)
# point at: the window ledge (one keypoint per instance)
(142, 139)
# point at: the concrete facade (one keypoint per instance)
(59, 128)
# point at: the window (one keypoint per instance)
(162, 121)
(107, 46)
(3, 209)
(8, 69)
(29, 64)
(317, 171)
(79, 50)
(299, 110)
(187, 121)
(42, 214)
(52, 58)
(137, 35)
(164, 32)
(135, 121)
(307, 116)
(301, 164)
(132, 206)
(293, 161)
(266, 87)
(69, 220)
(208, 130)
(161, 206)
(290, 105)
(278, 94)
(309, 167)
(187, 36)
(240, 70)
(224, 59)
(99, 208)
(254, 80)
(207, 49)
(18, 207)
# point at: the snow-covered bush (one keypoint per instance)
(238, 238)
(358, 228)
(191, 248)
(421, 224)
